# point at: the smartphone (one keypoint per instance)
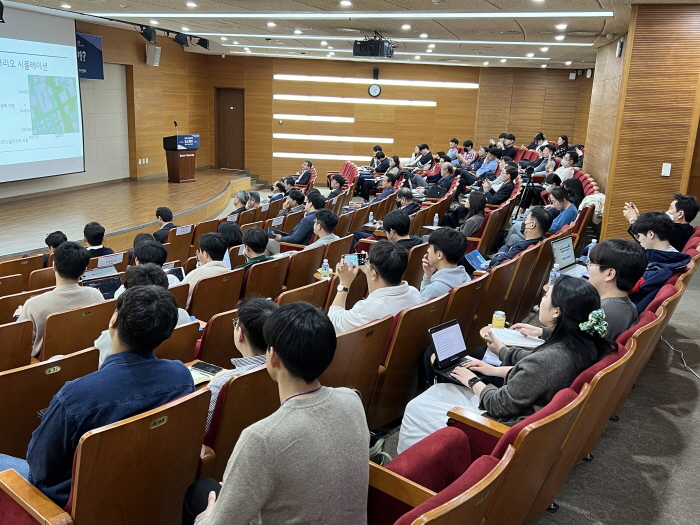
(355, 259)
(206, 368)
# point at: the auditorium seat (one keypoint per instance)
(72, 330)
(44, 278)
(16, 344)
(236, 255)
(12, 284)
(200, 229)
(414, 268)
(358, 291)
(119, 266)
(418, 220)
(359, 219)
(357, 358)
(302, 266)
(250, 225)
(315, 293)
(26, 390)
(217, 344)
(216, 294)
(245, 217)
(343, 227)
(24, 267)
(524, 264)
(463, 302)
(266, 278)
(291, 221)
(180, 346)
(9, 303)
(157, 452)
(397, 380)
(336, 249)
(245, 399)
(181, 291)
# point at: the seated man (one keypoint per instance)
(141, 275)
(325, 223)
(367, 184)
(505, 190)
(566, 169)
(53, 240)
(536, 225)
(130, 382)
(253, 200)
(240, 202)
(69, 262)
(308, 454)
(337, 183)
(682, 210)
(255, 241)
(293, 203)
(468, 157)
(278, 191)
(546, 163)
(652, 229)
(490, 165)
(93, 235)
(396, 224)
(288, 184)
(426, 160)
(452, 152)
(164, 216)
(440, 270)
(388, 294)
(386, 184)
(507, 148)
(480, 159)
(305, 175)
(249, 340)
(404, 197)
(302, 232)
(210, 257)
(446, 176)
(150, 252)
(232, 233)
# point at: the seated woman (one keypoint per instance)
(571, 308)
(567, 210)
(469, 215)
(575, 188)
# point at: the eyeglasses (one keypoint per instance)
(601, 266)
(235, 323)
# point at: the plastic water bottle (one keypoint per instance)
(553, 274)
(587, 250)
(371, 216)
(325, 270)
(436, 221)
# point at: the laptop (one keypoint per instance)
(450, 349)
(177, 271)
(565, 257)
(106, 285)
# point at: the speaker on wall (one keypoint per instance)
(153, 55)
(375, 73)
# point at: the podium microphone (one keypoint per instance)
(175, 122)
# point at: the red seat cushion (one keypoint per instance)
(666, 291)
(587, 375)
(210, 436)
(692, 243)
(646, 317)
(13, 512)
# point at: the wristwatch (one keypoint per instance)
(473, 381)
(342, 288)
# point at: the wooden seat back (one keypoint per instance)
(179, 246)
(26, 390)
(336, 249)
(181, 344)
(274, 208)
(250, 225)
(492, 230)
(524, 264)
(497, 284)
(245, 399)
(236, 255)
(157, 451)
(291, 221)
(343, 226)
(218, 346)
(180, 292)
(358, 219)
(302, 267)
(414, 268)
(464, 300)
(119, 266)
(315, 293)
(43, 278)
(216, 294)
(266, 278)
(670, 305)
(398, 376)
(24, 267)
(418, 220)
(200, 229)
(16, 348)
(9, 303)
(358, 355)
(245, 217)
(578, 231)
(72, 330)
(358, 291)
(538, 277)
(12, 284)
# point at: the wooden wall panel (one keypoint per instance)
(659, 98)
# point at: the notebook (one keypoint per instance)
(477, 260)
(565, 257)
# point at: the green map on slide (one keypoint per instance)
(54, 105)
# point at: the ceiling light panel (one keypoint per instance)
(385, 82)
(332, 138)
(320, 156)
(355, 100)
(314, 118)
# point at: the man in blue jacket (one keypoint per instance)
(653, 229)
(303, 231)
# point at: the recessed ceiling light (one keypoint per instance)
(503, 60)
(559, 37)
(543, 65)
(346, 3)
(428, 50)
(561, 27)
(153, 22)
(417, 57)
(330, 47)
(271, 24)
(224, 39)
(235, 42)
(486, 63)
(185, 28)
(432, 46)
(246, 49)
(544, 49)
(190, 4)
(423, 35)
(297, 31)
(324, 43)
(568, 63)
(406, 26)
(65, 6)
(530, 55)
(331, 53)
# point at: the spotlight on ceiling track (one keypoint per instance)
(203, 42)
(181, 39)
(148, 33)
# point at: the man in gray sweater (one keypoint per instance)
(440, 270)
(307, 462)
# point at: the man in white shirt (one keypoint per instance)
(212, 247)
(566, 170)
(150, 252)
(388, 294)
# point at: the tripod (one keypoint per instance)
(529, 187)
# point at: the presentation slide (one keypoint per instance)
(41, 130)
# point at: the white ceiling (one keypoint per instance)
(523, 35)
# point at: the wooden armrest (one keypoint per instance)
(206, 463)
(432, 199)
(291, 246)
(478, 422)
(396, 486)
(474, 239)
(379, 233)
(493, 206)
(478, 273)
(32, 500)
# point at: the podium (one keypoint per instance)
(180, 153)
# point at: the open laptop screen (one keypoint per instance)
(449, 343)
(106, 285)
(564, 252)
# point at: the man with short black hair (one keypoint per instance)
(452, 152)
(293, 203)
(387, 293)
(249, 340)
(253, 200)
(255, 241)
(302, 232)
(566, 169)
(53, 240)
(308, 461)
(337, 183)
(490, 165)
(546, 163)
(426, 160)
(210, 257)
(652, 230)
(324, 225)
(382, 163)
(131, 381)
(507, 148)
(386, 184)
(396, 224)
(305, 175)
(150, 252)
(69, 262)
(288, 184)
(93, 235)
(536, 225)
(469, 156)
(682, 211)
(440, 270)
(164, 217)
(505, 190)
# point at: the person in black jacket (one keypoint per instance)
(94, 235)
(682, 211)
(404, 197)
(305, 173)
(337, 183)
(164, 216)
(536, 225)
(508, 150)
(504, 192)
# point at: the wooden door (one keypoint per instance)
(230, 128)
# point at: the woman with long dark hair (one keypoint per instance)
(571, 309)
(562, 146)
(475, 205)
(575, 188)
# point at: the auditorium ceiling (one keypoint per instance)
(424, 31)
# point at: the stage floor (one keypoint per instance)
(124, 204)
